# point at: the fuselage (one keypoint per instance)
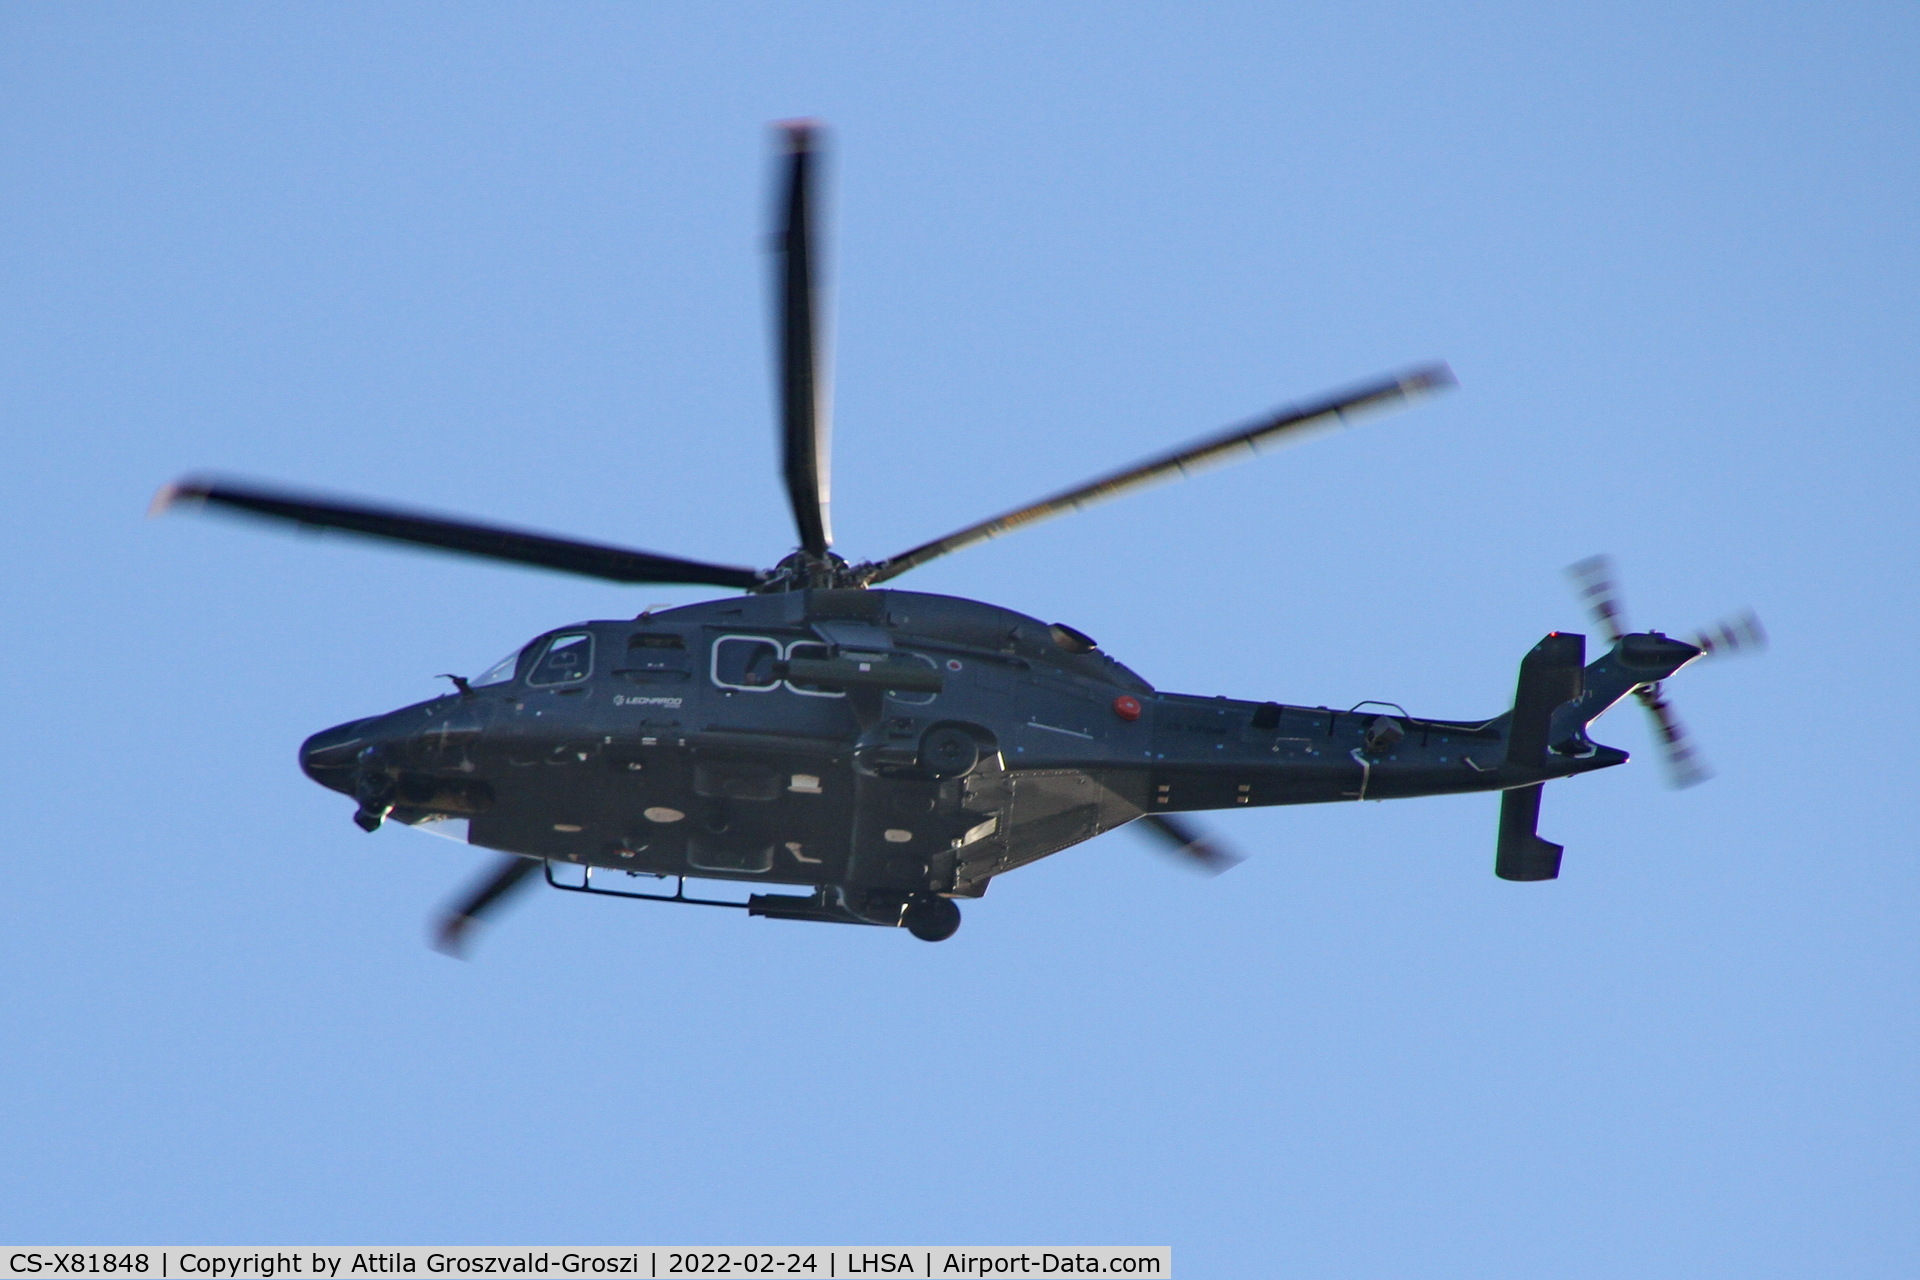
(680, 743)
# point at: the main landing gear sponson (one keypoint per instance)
(931, 918)
(948, 751)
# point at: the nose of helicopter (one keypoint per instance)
(328, 757)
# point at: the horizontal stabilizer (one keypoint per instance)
(1522, 854)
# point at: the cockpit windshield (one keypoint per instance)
(500, 672)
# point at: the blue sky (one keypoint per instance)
(507, 260)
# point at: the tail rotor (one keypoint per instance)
(1593, 578)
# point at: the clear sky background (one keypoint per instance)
(508, 261)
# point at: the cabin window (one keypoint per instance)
(569, 657)
(915, 699)
(745, 662)
(812, 651)
(654, 656)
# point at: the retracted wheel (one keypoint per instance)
(375, 788)
(948, 751)
(932, 918)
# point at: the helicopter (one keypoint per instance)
(888, 752)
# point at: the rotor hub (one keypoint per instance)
(802, 570)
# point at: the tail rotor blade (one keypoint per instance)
(803, 388)
(1594, 577)
(485, 897)
(1184, 840)
(1685, 768)
(1740, 634)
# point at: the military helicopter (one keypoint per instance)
(890, 752)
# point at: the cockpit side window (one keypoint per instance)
(569, 657)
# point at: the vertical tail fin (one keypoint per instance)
(1522, 854)
(1550, 675)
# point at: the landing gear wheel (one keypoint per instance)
(376, 791)
(948, 752)
(932, 918)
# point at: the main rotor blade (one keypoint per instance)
(615, 564)
(508, 874)
(1184, 840)
(803, 386)
(1210, 450)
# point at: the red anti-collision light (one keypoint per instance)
(1127, 708)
